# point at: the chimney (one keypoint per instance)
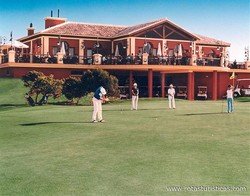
(58, 13)
(31, 30)
(52, 21)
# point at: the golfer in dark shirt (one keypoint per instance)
(135, 97)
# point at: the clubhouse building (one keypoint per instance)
(154, 54)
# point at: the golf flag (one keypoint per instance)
(232, 76)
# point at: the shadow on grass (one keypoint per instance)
(128, 109)
(12, 105)
(45, 123)
(243, 100)
(4, 107)
(64, 103)
(200, 114)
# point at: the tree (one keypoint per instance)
(73, 89)
(41, 84)
(91, 80)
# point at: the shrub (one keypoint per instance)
(73, 89)
(91, 80)
(38, 84)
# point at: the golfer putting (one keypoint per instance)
(99, 97)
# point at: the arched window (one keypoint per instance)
(147, 48)
(65, 48)
(211, 53)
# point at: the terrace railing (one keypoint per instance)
(120, 60)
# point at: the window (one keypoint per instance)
(54, 51)
(71, 52)
(89, 53)
(139, 51)
(171, 53)
(154, 51)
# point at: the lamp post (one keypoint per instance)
(193, 53)
(59, 44)
(82, 47)
(247, 53)
(222, 54)
(97, 45)
(2, 42)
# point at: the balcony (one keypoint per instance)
(120, 60)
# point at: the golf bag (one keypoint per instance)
(30, 100)
(43, 100)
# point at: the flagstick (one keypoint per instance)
(222, 105)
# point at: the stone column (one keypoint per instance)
(193, 57)
(193, 60)
(200, 52)
(145, 58)
(60, 58)
(128, 47)
(132, 45)
(45, 45)
(164, 47)
(1, 58)
(222, 58)
(31, 51)
(11, 56)
(247, 64)
(81, 51)
(97, 59)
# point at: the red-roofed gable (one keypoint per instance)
(131, 29)
(84, 29)
(114, 31)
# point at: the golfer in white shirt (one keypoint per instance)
(99, 97)
(171, 93)
(229, 99)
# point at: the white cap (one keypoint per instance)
(135, 84)
(103, 91)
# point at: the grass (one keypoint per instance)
(55, 150)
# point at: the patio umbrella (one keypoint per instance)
(147, 48)
(15, 44)
(178, 50)
(117, 51)
(63, 51)
(159, 53)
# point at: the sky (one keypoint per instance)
(227, 20)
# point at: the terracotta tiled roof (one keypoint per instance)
(84, 29)
(114, 31)
(210, 41)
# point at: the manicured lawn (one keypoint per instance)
(55, 150)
